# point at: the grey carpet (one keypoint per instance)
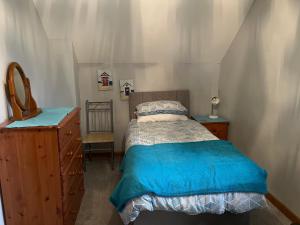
(99, 183)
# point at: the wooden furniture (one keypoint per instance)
(41, 172)
(136, 98)
(219, 126)
(99, 128)
(19, 93)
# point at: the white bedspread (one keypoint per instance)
(175, 132)
(151, 133)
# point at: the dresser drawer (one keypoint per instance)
(73, 172)
(67, 155)
(220, 130)
(69, 132)
(68, 199)
(73, 206)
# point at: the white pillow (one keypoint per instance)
(161, 117)
(161, 107)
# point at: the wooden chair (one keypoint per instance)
(99, 127)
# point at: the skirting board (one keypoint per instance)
(283, 208)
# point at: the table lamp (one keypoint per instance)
(215, 101)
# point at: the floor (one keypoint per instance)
(99, 183)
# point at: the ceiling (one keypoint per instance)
(145, 31)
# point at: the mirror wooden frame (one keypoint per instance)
(20, 111)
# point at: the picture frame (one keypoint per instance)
(126, 87)
(105, 80)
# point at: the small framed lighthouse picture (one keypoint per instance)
(105, 81)
(126, 87)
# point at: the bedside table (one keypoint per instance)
(219, 126)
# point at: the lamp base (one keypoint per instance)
(213, 117)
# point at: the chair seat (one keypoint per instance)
(103, 137)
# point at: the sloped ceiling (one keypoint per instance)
(145, 31)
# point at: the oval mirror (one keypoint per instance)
(19, 93)
(20, 88)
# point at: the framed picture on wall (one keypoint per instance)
(126, 87)
(105, 81)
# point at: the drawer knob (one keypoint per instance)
(71, 173)
(75, 172)
(70, 153)
(72, 193)
(69, 133)
(80, 156)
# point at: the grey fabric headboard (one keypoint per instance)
(136, 98)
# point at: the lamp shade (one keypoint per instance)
(215, 100)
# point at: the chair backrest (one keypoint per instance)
(99, 116)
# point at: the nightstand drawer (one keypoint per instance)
(218, 126)
(220, 130)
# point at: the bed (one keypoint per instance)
(161, 138)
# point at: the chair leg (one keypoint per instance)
(86, 154)
(112, 156)
(84, 159)
(89, 152)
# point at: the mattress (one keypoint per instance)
(151, 133)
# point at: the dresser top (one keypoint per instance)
(48, 117)
(206, 119)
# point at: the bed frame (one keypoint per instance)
(172, 218)
(136, 98)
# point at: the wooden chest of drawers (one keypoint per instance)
(41, 173)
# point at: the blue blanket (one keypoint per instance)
(182, 169)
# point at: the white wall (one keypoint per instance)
(76, 75)
(260, 92)
(200, 79)
(138, 31)
(61, 79)
(48, 64)
(162, 45)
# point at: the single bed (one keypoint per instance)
(180, 133)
